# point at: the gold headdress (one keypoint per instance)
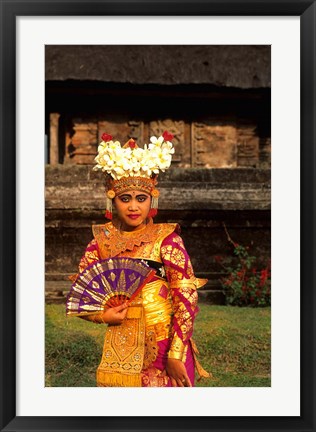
(131, 167)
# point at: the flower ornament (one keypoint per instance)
(105, 137)
(131, 160)
(167, 136)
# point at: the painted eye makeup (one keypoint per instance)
(141, 198)
(127, 198)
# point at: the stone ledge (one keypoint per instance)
(74, 187)
(66, 173)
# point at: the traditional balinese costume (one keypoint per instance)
(159, 321)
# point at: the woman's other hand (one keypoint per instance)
(115, 315)
(177, 373)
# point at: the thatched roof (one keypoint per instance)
(239, 66)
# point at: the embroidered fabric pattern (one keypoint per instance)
(123, 352)
(91, 255)
(174, 276)
(151, 348)
(112, 241)
(162, 330)
(118, 242)
(158, 309)
(153, 377)
(175, 256)
(132, 183)
(179, 269)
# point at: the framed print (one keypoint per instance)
(26, 28)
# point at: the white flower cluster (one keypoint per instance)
(121, 161)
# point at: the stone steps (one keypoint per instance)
(212, 296)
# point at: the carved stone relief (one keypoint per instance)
(213, 145)
(209, 144)
(136, 130)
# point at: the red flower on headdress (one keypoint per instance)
(167, 136)
(106, 137)
(131, 143)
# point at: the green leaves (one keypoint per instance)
(248, 282)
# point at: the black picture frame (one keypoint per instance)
(9, 11)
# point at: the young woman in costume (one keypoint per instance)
(148, 341)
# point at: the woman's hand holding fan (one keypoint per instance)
(115, 315)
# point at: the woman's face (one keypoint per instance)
(132, 209)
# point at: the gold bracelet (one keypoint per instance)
(102, 318)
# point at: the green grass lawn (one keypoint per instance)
(234, 344)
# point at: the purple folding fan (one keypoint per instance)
(107, 283)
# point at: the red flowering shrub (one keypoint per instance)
(248, 282)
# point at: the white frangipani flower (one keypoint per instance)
(156, 141)
(134, 161)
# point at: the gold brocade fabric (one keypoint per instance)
(151, 348)
(111, 241)
(155, 378)
(123, 352)
(188, 284)
(158, 306)
(200, 370)
(177, 349)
